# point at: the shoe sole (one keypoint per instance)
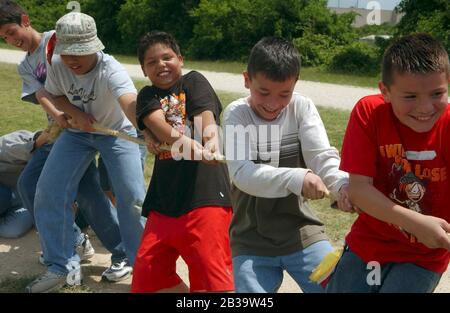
(117, 279)
(54, 288)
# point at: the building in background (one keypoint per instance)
(366, 16)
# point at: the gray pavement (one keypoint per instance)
(323, 94)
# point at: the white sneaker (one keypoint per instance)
(85, 250)
(50, 281)
(117, 271)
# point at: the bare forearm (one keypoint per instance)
(371, 201)
(163, 131)
(63, 104)
(47, 101)
(128, 105)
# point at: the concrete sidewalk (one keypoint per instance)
(322, 94)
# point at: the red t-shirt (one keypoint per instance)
(408, 167)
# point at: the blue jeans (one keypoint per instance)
(92, 202)
(352, 275)
(105, 181)
(15, 221)
(70, 157)
(260, 274)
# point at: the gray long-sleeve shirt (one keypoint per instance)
(267, 167)
(15, 151)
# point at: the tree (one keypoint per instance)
(227, 29)
(105, 13)
(137, 17)
(44, 13)
(432, 16)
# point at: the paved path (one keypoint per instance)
(323, 94)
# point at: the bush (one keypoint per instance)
(357, 58)
(137, 17)
(315, 49)
(228, 29)
(430, 16)
(44, 14)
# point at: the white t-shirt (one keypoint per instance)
(96, 92)
(33, 69)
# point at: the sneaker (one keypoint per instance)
(117, 271)
(85, 250)
(51, 281)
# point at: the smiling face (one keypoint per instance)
(267, 97)
(17, 35)
(418, 100)
(162, 66)
(80, 65)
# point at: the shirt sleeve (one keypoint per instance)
(259, 180)
(146, 103)
(359, 145)
(52, 83)
(119, 82)
(16, 147)
(319, 156)
(30, 85)
(200, 96)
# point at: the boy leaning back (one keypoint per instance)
(283, 159)
(16, 30)
(187, 202)
(99, 90)
(397, 151)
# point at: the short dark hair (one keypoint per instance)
(10, 12)
(274, 57)
(414, 54)
(156, 37)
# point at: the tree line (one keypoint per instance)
(227, 29)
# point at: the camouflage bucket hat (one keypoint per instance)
(76, 34)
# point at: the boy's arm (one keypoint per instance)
(155, 121)
(47, 101)
(319, 156)
(429, 230)
(75, 117)
(128, 104)
(210, 135)
(258, 180)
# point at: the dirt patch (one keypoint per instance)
(19, 265)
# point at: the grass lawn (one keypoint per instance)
(17, 114)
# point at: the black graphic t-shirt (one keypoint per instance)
(178, 187)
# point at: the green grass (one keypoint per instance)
(16, 114)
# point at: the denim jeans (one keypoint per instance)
(15, 221)
(259, 274)
(105, 181)
(70, 157)
(353, 275)
(91, 201)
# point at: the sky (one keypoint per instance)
(385, 4)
